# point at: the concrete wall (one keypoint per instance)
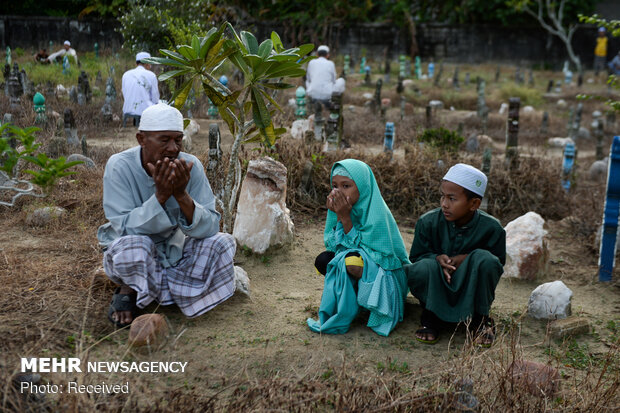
(36, 32)
(468, 44)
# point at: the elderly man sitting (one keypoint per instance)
(162, 241)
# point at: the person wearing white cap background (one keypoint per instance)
(320, 80)
(161, 240)
(458, 256)
(66, 49)
(140, 89)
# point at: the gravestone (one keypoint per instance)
(418, 67)
(577, 123)
(580, 80)
(599, 133)
(429, 116)
(99, 80)
(402, 107)
(608, 246)
(401, 66)
(106, 112)
(455, 78)
(85, 94)
(363, 65)
(544, 126)
(531, 78)
(334, 122)
(215, 151)
(481, 103)
(7, 74)
(386, 72)
(467, 79)
(300, 103)
(84, 146)
(110, 90)
(39, 108)
(73, 94)
(367, 80)
(550, 86)
(497, 73)
(8, 56)
(70, 128)
(558, 86)
(512, 132)
(377, 98)
(15, 89)
(27, 85)
(436, 82)
(400, 88)
(485, 119)
(568, 166)
(486, 161)
(610, 120)
(388, 139)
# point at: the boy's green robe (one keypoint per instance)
(472, 288)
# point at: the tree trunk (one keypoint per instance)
(412, 32)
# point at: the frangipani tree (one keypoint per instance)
(246, 111)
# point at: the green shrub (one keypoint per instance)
(442, 138)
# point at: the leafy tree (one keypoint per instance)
(248, 110)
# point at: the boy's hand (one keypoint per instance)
(447, 266)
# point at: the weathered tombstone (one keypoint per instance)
(455, 78)
(481, 103)
(49, 88)
(65, 65)
(486, 161)
(99, 80)
(8, 56)
(577, 123)
(400, 88)
(39, 108)
(70, 128)
(300, 103)
(386, 73)
(599, 134)
(531, 78)
(544, 126)
(512, 132)
(388, 139)
(106, 112)
(27, 85)
(363, 65)
(402, 107)
(467, 79)
(334, 123)
(377, 99)
(418, 67)
(263, 220)
(527, 254)
(212, 111)
(367, 80)
(459, 128)
(558, 86)
(7, 74)
(436, 82)
(110, 90)
(401, 66)
(429, 116)
(15, 89)
(84, 89)
(73, 94)
(550, 301)
(215, 151)
(306, 177)
(497, 73)
(347, 63)
(607, 256)
(550, 86)
(84, 146)
(485, 119)
(568, 166)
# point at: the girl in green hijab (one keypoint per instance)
(365, 255)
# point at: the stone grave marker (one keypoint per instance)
(401, 66)
(497, 73)
(544, 126)
(27, 85)
(418, 67)
(347, 64)
(99, 80)
(429, 116)
(512, 132)
(300, 103)
(334, 122)
(70, 128)
(8, 119)
(466, 79)
(7, 74)
(531, 78)
(439, 73)
(8, 55)
(110, 90)
(550, 86)
(400, 88)
(386, 72)
(455, 79)
(363, 65)
(402, 107)
(481, 103)
(367, 80)
(377, 98)
(577, 124)
(15, 89)
(39, 108)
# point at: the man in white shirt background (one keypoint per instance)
(320, 79)
(66, 50)
(140, 90)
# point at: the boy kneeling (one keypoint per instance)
(458, 255)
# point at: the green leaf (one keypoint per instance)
(270, 99)
(240, 43)
(279, 85)
(172, 73)
(187, 52)
(180, 95)
(186, 123)
(196, 45)
(277, 43)
(304, 49)
(265, 49)
(230, 121)
(269, 135)
(237, 59)
(253, 61)
(213, 36)
(165, 61)
(172, 55)
(260, 114)
(249, 42)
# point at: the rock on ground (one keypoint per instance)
(550, 301)
(263, 220)
(536, 378)
(526, 249)
(148, 329)
(43, 216)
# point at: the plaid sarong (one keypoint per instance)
(202, 279)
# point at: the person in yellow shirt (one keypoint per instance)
(600, 51)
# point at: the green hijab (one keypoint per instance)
(379, 236)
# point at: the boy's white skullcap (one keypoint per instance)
(161, 117)
(468, 177)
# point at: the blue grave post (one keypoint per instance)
(607, 255)
(567, 165)
(388, 140)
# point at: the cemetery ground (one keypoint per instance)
(256, 353)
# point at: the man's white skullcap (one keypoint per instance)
(323, 48)
(142, 55)
(67, 43)
(161, 117)
(468, 177)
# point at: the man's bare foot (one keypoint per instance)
(126, 305)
